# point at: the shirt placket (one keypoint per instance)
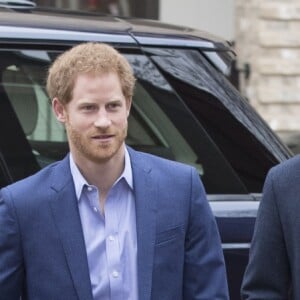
(113, 245)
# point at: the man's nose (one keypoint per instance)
(102, 120)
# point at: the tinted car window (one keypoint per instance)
(217, 174)
(242, 137)
(160, 122)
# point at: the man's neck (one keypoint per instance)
(104, 174)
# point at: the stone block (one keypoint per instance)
(280, 10)
(279, 33)
(269, 65)
(281, 118)
(279, 90)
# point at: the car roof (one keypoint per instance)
(128, 30)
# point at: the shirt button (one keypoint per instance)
(89, 188)
(95, 209)
(115, 274)
(111, 238)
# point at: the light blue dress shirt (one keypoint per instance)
(110, 238)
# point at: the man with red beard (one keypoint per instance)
(107, 222)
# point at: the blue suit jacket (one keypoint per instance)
(273, 271)
(42, 250)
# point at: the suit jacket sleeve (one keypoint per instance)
(204, 269)
(11, 271)
(267, 274)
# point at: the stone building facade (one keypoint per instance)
(268, 39)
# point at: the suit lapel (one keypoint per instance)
(66, 216)
(145, 199)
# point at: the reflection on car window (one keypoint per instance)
(151, 130)
(16, 158)
(27, 94)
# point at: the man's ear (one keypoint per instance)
(59, 110)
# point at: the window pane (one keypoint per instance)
(183, 136)
(236, 129)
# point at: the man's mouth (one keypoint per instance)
(103, 137)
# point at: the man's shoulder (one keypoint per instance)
(285, 175)
(35, 184)
(287, 168)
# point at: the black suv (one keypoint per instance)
(184, 109)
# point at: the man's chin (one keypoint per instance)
(106, 155)
(101, 158)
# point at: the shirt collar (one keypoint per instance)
(80, 182)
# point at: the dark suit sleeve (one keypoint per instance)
(204, 268)
(10, 254)
(267, 275)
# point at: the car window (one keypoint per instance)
(240, 134)
(160, 121)
(216, 172)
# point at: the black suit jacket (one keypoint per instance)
(273, 271)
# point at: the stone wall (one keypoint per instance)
(268, 38)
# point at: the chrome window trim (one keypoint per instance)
(218, 62)
(234, 197)
(18, 4)
(234, 209)
(13, 32)
(235, 246)
(173, 41)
